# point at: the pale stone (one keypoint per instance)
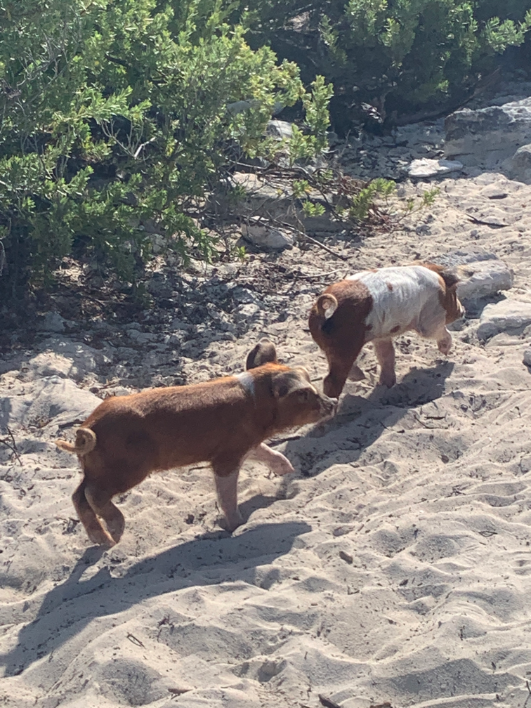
(267, 238)
(64, 358)
(482, 274)
(481, 279)
(510, 316)
(425, 168)
(52, 322)
(51, 399)
(279, 129)
(159, 243)
(245, 313)
(519, 165)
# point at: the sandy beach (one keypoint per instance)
(392, 569)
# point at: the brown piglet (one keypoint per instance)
(376, 306)
(221, 421)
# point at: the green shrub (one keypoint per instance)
(114, 113)
(396, 55)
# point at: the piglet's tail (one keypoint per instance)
(85, 442)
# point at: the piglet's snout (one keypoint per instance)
(328, 405)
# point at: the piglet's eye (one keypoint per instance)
(304, 395)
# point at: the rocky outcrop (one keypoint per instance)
(518, 166)
(482, 275)
(511, 316)
(488, 136)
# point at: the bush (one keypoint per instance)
(397, 56)
(114, 113)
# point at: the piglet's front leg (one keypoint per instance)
(385, 353)
(277, 463)
(444, 341)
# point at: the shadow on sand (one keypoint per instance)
(363, 420)
(210, 559)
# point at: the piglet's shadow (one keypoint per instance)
(209, 559)
(258, 501)
(365, 419)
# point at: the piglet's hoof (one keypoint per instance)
(116, 529)
(388, 380)
(444, 346)
(356, 374)
(101, 538)
(233, 523)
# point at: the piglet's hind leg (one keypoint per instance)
(95, 531)
(227, 491)
(100, 501)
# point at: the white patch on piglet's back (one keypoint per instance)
(403, 298)
(246, 381)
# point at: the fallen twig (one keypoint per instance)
(529, 692)
(279, 441)
(11, 444)
(134, 640)
(492, 224)
(325, 248)
(321, 276)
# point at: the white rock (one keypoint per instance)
(64, 358)
(279, 129)
(245, 313)
(482, 279)
(179, 324)
(240, 106)
(488, 135)
(519, 165)
(510, 316)
(142, 337)
(481, 272)
(52, 399)
(228, 270)
(425, 168)
(52, 322)
(244, 296)
(265, 237)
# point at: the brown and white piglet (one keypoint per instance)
(375, 306)
(221, 422)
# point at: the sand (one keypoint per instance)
(393, 568)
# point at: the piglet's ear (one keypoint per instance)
(287, 382)
(326, 305)
(451, 278)
(263, 353)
